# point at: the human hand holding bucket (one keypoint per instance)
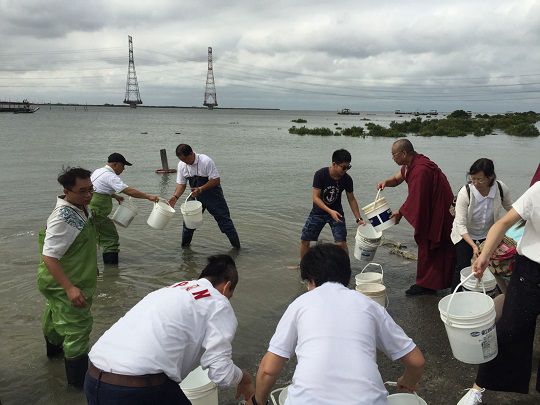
(192, 213)
(379, 213)
(403, 398)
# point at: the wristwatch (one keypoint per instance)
(358, 219)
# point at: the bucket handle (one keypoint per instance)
(187, 198)
(378, 192)
(454, 294)
(374, 264)
(276, 393)
(394, 384)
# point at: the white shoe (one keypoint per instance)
(472, 397)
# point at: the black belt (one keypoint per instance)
(148, 380)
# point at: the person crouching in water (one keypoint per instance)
(335, 333)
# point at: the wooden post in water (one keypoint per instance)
(164, 163)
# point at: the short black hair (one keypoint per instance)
(326, 262)
(220, 268)
(341, 156)
(183, 150)
(69, 175)
(486, 166)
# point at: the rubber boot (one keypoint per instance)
(110, 258)
(234, 239)
(53, 350)
(76, 370)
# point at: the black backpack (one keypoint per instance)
(468, 188)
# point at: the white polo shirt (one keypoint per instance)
(528, 208)
(335, 333)
(106, 181)
(173, 330)
(202, 166)
(63, 226)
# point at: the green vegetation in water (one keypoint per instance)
(299, 121)
(312, 131)
(458, 123)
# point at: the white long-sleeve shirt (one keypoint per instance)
(173, 330)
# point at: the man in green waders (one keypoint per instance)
(67, 274)
(107, 184)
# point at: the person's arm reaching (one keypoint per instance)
(354, 208)
(494, 237)
(196, 191)
(315, 195)
(269, 370)
(179, 190)
(414, 367)
(393, 181)
(133, 192)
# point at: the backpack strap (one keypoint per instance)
(501, 192)
(468, 188)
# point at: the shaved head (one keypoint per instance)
(403, 145)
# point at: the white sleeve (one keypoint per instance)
(212, 170)
(284, 341)
(462, 211)
(180, 178)
(524, 204)
(217, 356)
(391, 339)
(59, 236)
(117, 184)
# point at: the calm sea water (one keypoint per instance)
(266, 175)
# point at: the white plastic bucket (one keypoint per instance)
(367, 241)
(405, 399)
(375, 291)
(161, 215)
(125, 213)
(370, 276)
(199, 389)
(192, 213)
(281, 393)
(379, 214)
(469, 319)
(488, 279)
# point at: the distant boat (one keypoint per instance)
(347, 111)
(17, 107)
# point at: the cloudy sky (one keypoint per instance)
(309, 54)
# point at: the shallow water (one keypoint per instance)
(266, 176)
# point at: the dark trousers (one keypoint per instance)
(464, 254)
(214, 201)
(511, 370)
(100, 393)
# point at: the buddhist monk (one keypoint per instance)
(427, 210)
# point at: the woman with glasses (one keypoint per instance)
(479, 205)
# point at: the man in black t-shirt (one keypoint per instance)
(328, 184)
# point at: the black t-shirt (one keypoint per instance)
(331, 190)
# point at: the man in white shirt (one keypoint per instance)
(67, 274)
(107, 185)
(335, 333)
(144, 356)
(203, 177)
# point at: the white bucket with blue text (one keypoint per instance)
(379, 214)
(469, 319)
(368, 240)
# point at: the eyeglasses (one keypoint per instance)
(345, 167)
(83, 192)
(477, 180)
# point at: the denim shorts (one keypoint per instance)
(316, 222)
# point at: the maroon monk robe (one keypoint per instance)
(427, 210)
(536, 176)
